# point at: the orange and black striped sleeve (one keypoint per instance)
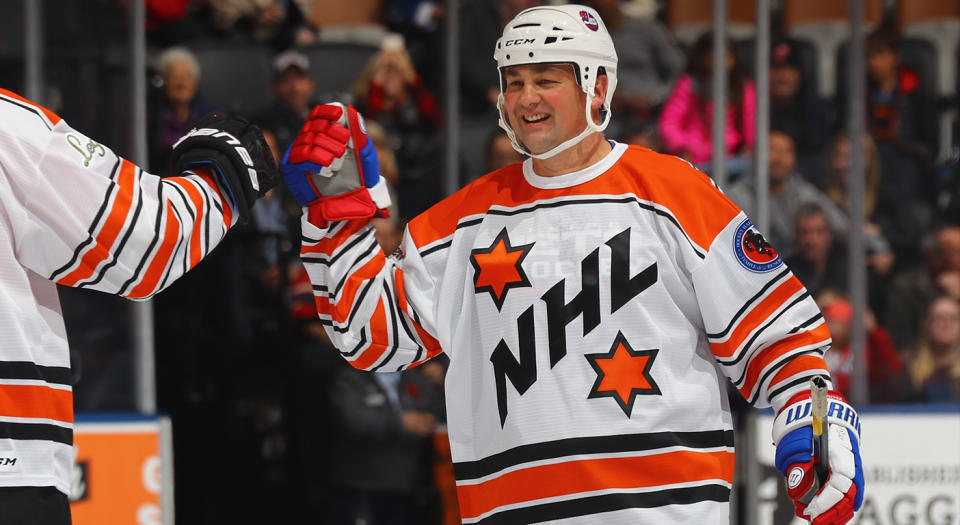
(89, 218)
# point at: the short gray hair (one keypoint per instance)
(175, 54)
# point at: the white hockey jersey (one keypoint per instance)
(74, 213)
(588, 319)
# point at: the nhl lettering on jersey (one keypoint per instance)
(623, 374)
(522, 373)
(498, 268)
(753, 251)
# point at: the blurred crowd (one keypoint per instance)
(247, 372)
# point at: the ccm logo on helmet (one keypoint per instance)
(589, 20)
(519, 41)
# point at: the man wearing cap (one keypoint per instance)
(796, 108)
(293, 88)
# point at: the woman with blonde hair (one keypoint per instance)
(934, 366)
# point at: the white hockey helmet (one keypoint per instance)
(572, 34)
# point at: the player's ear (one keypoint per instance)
(599, 92)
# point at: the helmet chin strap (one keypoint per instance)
(591, 127)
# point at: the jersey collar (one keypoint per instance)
(574, 178)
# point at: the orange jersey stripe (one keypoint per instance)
(197, 199)
(701, 210)
(431, 344)
(340, 312)
(54, 118)
(111, 228)
(798, 365)
(770, 354)
(328, 245)
(36, 401)
(379, 339)
(574, 477)
(207, 176)
(159, 262)
(756, 317)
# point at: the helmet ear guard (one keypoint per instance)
(571, 34)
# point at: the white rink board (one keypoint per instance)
(911, 464)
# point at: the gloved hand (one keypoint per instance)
(235, 151)
(332, 167)
(842, 494)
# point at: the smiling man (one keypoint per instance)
(590, 299)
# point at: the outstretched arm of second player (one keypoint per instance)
(88, 218)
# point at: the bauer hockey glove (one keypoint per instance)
(842, 493)
(332, 167)
(235, 151)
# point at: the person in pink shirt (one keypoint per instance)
(687, 116)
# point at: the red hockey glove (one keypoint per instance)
(332, 167)
(842, 493)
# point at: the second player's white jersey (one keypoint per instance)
(589, 319)
(74, 213)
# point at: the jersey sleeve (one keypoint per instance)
(83, 216)
(377, 309)
(765, 330)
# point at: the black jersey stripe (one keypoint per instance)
(388, 298)
(746, 346)
(355, 307)
(31, 109)
(573, 202)
(748, 304)
(356, 262)
(131, 227)
(467, 470)
(93, 225)
(153, 243)
(31, 371)
(796, 382)
(776, 367)
(590, 505)
(36, 431)
(360, 344)
(404, 322)
(338, 252)
(176, 250)
(207, 194)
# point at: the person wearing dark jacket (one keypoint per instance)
(380, 457)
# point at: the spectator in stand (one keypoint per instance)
(178, 107)
(380, 457)
(278, 23)
(500, 152)
(797, 109)
(788, 191)
(650, 60)
(481, 22)
(935, 364)
(877, 205)
(886, 374)
(293, 90)
(900, 118)
(819, 262)
(685, 122)
(391, 93)
(913, 289)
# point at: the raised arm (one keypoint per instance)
(377, 309)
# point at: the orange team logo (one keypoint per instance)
(623, 374)
(497, 269)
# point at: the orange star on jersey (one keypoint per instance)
(623, 374)
(497, 269)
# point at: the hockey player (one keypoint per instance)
(74, 213)
(589, 300)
